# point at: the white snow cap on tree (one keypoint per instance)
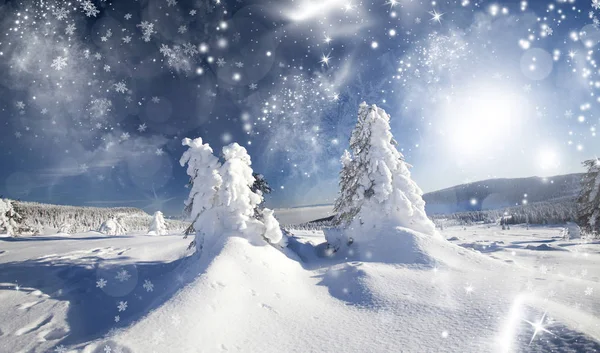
(158, 226)
(376, 184)
(204, 177)
(221, 201)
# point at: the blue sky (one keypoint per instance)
(95, 107)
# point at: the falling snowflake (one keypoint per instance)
(182, 29)
(83, 168)
(220, 62)
(159, 152)
(101, 283)
(120, 87)
(59, 63)
(117, 318)
(125, 136)
(123, 276)
(107, 349)
(89, 8)
(142, 127)
(589, 291)
(596, 4)
(548, 31)
(98, 56)
(239, 64)
(127, 16)
(189, 49)
(70, 30)
(44, 111)
(20, 105)
(155, 100)
(193, 12)
(61, 13)
(171, 3)
(148, 286)
(126, 39)
(107, 68)
(122, 306)
(253, 86)
(417, 20)
(147, 30)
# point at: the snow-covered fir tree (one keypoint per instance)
(222, 201)
(9, 218)
(158, 225)
(376, 187)
(344, 207)
(588, 202)
(261, 187)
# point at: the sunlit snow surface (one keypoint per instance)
(524, 290)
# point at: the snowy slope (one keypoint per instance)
(251, 297)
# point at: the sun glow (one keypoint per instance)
(482, 120)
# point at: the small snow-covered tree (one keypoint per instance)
(225, 203)
(588, 202)
(158, 225)
(112, 226)
(379, 191)
(9, 218)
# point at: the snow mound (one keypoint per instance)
(112, 227)
(394, 245)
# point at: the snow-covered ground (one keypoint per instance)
(486, 292)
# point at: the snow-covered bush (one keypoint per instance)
(112, 226)
(9, 218)
(222, 201)
(377, 192)
(588, 202)
(158, 226)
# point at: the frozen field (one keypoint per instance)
(524, 290)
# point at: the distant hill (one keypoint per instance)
(499, 193)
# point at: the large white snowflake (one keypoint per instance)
(59, 63)
(120, 87)
(123, 276)
(101, 283)
(122, 306)
(89, 8)
(61, 13)
(148, 286)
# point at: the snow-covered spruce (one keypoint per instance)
(380, 210)
(222, 202)
(158, 226)
(588, 202)
(9, 218)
